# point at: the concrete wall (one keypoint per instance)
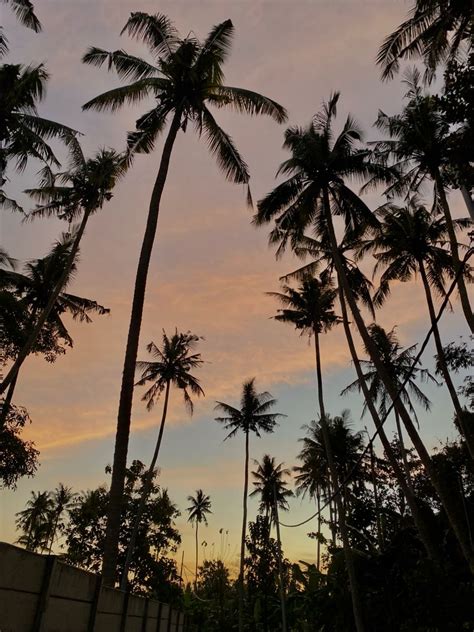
(38, 593)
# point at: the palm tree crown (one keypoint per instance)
(270, 484)
(398, 363)
(199, 508)
(310, 308)
(435, 30)
(184, 78)
(24, 134)
(173, 364)
(253, 415)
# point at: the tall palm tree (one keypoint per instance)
(185, 77)
(272, 488)
(31, 291)
(269, 481)
(311, 310)
(62, 499)
(171, 366)
(197, 513)
(435, 30)
(418, 141)
(76, 193)
(399, 364)
(23, 133)
(34, 521)
(253, 417)
(315, 189)
(408, 242)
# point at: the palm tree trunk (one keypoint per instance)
(35, 332)
(463, 295)
(353, 584)
(197, 557)
(448, 500)
(380, 537)
(402, 448)
(109, 565)
(318, 543)
(7, 401)
(442, 361)
(281, 585)
(244, 532)
(145, 492)
(467, 200)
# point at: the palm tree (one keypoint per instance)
(31, 292)
(34, 521)
(198, 510)
(311, 310)
(435, 30)
(316, 189)
(409, 241)
(90, 185)
(23, 133)
(399, 364)
(185, 77)
(171, 366)
(24, 11)
(62, 499)
(270, 484)
(418, 141)
(253, 417)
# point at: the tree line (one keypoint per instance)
(404, 516)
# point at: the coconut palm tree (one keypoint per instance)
(253, 417)
(315, 189)
(408, 242)
(311, 310)
(76, 193)
(197, 513)
(171, 366)
(62, 499)
(23, 133)
(269, 482)
(399, 364)
(272, 488)
(185, 77)
(418, 141)
(436, 30)
(34, 521)
(30, 291)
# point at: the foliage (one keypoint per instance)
(18, 458)
(153, 571)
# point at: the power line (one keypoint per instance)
(444, 304)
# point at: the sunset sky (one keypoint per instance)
(211, 268)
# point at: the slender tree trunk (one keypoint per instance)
(380, 538)
(422, 517)
(450, 503)
(318, 542)
(36, 330)
(109, 566)
(468, 200)
(463, 295)
(353, 584)
(244, 532)
(281, 585)
(442, 361)
(8, 401)
(145, 492)
(197, 557)
(403, 451)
